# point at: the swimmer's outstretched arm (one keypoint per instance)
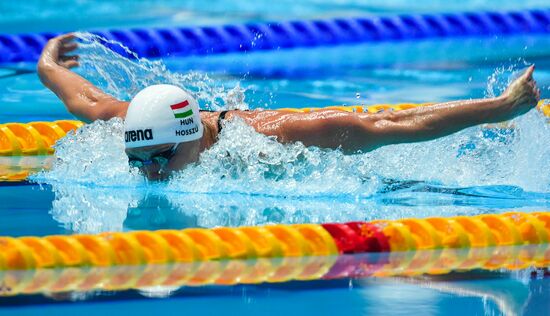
(364, 132)
(81, 97)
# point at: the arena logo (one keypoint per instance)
(138, 135)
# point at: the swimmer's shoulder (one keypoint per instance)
(257, 116)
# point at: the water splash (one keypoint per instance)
(92, 154)
(478, 156)
(124, 78)
(503, 76)
(244, 161)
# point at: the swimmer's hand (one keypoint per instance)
(56, 52)
(522, 94)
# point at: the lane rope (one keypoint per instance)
(260, 36)
(279, 241)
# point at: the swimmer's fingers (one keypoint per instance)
(71, 64)
(55, 45)
(67, 58)
(536, 90)
(65, 38)
(525, 78)
(59, 41)
(69, 61)
(67, 48)
(528, 74)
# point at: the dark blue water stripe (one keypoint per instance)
(204, 40)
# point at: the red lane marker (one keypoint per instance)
(373, 239)
(345, 238)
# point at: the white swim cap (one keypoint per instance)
(162, 114)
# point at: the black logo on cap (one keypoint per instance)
(138, 135)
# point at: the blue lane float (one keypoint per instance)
(185, 41)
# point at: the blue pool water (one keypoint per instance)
(91, 190)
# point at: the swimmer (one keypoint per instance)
(165, 130)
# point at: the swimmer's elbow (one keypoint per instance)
(89, 111)
(353, 135)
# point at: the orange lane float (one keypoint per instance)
(274, 253)
(34, 138)
(276, 241)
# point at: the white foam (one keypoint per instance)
(94, 154)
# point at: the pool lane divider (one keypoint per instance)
(278, 241)
(34, 138)
(261, 36)
(38, 138)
